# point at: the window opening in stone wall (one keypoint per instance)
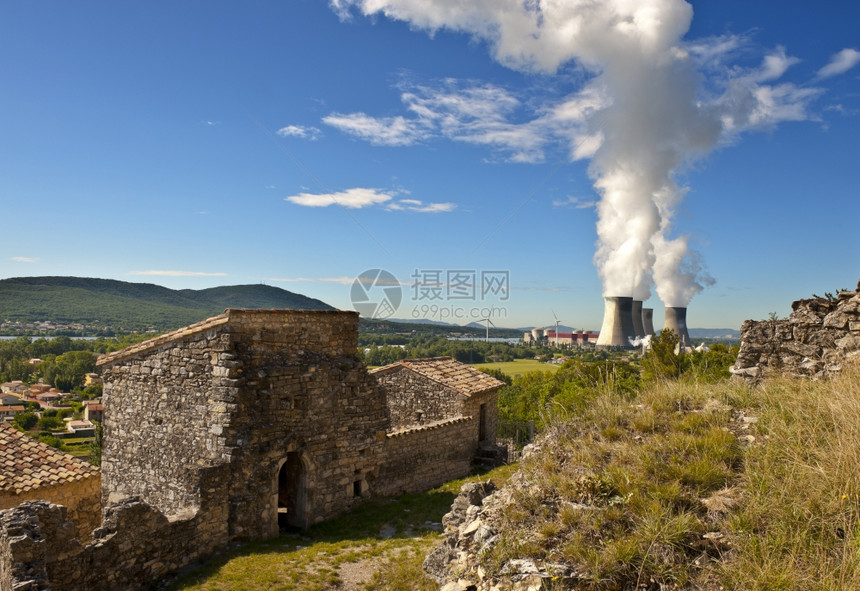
(291, 493)
(356, 488)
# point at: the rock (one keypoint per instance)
(819, 335)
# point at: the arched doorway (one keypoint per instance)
(292, 492)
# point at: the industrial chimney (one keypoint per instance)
(638, 329)
(648, 321)
(617, 329)
(676, 319)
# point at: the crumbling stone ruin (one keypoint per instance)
(235, 426)
(818, 338)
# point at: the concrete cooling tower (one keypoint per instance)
(617, 329)
(676, 319)
(638, 329)
(648, 321)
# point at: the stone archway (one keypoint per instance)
(293, 495)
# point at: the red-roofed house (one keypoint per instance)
(424, 391)
(8, 412)
(30, 470)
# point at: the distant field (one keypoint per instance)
(518, 367)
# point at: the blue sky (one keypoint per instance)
(302, 143)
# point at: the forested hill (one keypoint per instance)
(105, 305)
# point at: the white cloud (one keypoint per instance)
(352, 198)
(575, 203)
(481, 114)
(23, 259)
(178, 273)
(840, 63)
(774, 65)
(419, 206)
(300, 131)
(381, 131)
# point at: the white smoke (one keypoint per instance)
(653, 120)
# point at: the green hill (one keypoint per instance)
(105, 305)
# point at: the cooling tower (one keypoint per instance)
(636, 312)
(648, 321)
(617, 329)
(676, 319)
(537, 334)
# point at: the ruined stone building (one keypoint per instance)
(230, 427)
(818, 338)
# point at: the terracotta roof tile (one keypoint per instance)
(27, 464)
(448, 371)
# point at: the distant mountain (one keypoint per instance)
(714, 333)
(105, 305)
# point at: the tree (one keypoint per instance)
(25, 420)
(95, 455)
(662, 361)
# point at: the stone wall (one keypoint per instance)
(135, 545)
(422, 457)
(82, 499)
(245, 390)
(412, 399)
(164, 419)
(303, 391)
(818, 337)
(489, 400)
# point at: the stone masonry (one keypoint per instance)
(232, 427)
(818, 337)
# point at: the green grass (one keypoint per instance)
(518, 367)
(674, 489)
(311, 560)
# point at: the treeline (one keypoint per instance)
(390, 349)
(543, 397)
(64, 361)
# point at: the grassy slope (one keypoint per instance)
(132, 305)
(692, 486)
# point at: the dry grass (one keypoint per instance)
(618, 493)
(697, 486)
(798, 526)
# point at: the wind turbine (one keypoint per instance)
(489, 322)
(557, 322)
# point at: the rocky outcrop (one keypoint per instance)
(818, 338)
(471, 530)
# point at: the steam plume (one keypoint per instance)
(653, 122)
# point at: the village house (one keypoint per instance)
(7, 399)
(8, 412)
(93, 411)
(30, 469)
(14, 387)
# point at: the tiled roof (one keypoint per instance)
(27, 464)
(449, 372)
